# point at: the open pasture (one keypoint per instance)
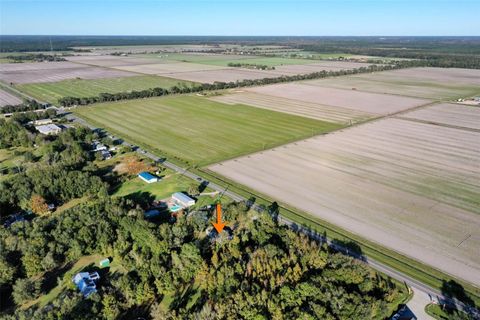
(223, 75)
(312, 66)
(410, 186)
(168, 68)
(430, 83)
(7, 98)
(266, 61)
(223, 60)
(295, 107)
(53, 91)
(448, 114)
(199, 130)
(55, 71)
(361, 101)
(111, 61)
(198, 57)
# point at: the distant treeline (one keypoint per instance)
(11, 43)
(251, 66)
(443, 56)
(158, 92)
(452, 45)
(37, 57)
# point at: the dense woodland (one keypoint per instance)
(57, 171)
(264, 272)
(169, 269)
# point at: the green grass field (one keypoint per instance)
(224, 60)
(266, 61)
(199, 131)
(52, 91)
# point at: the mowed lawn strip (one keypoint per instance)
(53, 91)
(200, 131)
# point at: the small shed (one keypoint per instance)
(105, 263)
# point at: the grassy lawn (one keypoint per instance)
(437, 312)
(199, 131)
(171, 182)
(162, 189)
(8, 159)
(52, 91)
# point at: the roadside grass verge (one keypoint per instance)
(437, 312)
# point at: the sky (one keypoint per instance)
(247, 17)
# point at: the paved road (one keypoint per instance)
(16, 92)
(417, 286)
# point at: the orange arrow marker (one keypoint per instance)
(219, 225)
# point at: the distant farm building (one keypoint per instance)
(49, 129)
(85, 282)
(147, 177)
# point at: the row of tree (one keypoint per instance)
(27, 105)
(157, 92)
(251, 66)
(36, 57)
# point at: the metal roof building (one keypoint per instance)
(49, 129)
(85, 282)
(147, 177)
(183, 199)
